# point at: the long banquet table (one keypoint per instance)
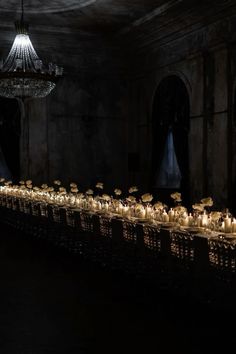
(163, 252)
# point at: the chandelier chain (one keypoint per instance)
(22, 10)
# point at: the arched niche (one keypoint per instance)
(10, 139)
(170, 116)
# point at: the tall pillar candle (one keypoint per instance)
(234, 226)
(228, 225)
(171, 215)
(165, 217)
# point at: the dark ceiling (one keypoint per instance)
(90, 30)
(88, 15)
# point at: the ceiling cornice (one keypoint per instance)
(158, 11)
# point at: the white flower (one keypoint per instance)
(73, 185)
(198, 207)
(117, 191)
(74, 190)
(216, 215)
(207, 201)
(62, 190)
(138, 207)
(28, 181)
(89, 192)
(57, 182)
(180, 209)
(146, 198)
(106, 197)
(99, 185)
(176, 196)
(44, 186)
(133, 189)
(131, 199)
(159, 206)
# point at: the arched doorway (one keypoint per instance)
(170, 153)
(9, 139)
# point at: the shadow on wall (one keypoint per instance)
(4, 170)
(9, 139)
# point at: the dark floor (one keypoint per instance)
(50, 302)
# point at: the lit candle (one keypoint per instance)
(165, 216)
(199, 221)
(204, 219)
(171, 215)
(234, 225)
(148, 212)
(142, 213)
(190, 219)
(125, 210)
(227, 222)
(120, 208)
(185, 221)
(222, 226)
(106, 207)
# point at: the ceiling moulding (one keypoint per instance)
(158, 11)
(52, 6)
(161, 38)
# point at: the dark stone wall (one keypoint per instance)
(205, 60)
(78, 133)
(99, 127)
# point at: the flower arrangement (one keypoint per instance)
(131, 199)
(176, 197)
(62, 191)
(215, 215)
(133, 189)
(180, 209)
(99, 185)
(146, 198)
(159, 206)
(128, 207)
(207, 202)
(117, 192)
(106, 197)
(89, 192)
(198, 207)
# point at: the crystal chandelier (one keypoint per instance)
(23, 74)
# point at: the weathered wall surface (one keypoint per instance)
(100, 127)
(78, 134)
(206, 64)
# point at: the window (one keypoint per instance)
(169, 175)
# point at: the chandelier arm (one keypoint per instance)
(22, 10)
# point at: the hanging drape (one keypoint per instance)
(171, 111)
